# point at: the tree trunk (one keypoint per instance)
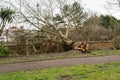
(67, 45)
(2, 28)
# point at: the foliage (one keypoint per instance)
(6, 16)
(108, 21)
(116, 42)
(74, 13)
(71, 14)
(107, 71)
(103, 27)
(4, 51)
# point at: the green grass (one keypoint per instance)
(70, 54)
(108, 71)
(105, 52)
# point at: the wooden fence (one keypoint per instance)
(100, 45)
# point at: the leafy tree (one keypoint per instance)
(6, 16)
(74, 13)
(108, 21)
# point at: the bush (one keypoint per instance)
(4, 51)
(116, 42)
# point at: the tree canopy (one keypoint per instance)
(6, 16)
(108, 21)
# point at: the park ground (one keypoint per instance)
(96, 65)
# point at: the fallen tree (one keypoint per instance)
(55, 18)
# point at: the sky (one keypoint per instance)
(100, 7)
(96, 6)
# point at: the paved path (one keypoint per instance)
(38, 65)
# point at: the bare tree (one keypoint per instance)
(42, 13)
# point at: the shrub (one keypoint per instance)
(116, 42)
(4, 51)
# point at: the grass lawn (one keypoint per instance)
(106, 52)
(107, 71)
(69, 54)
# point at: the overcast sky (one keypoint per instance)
(99, 6)
(95, 5)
